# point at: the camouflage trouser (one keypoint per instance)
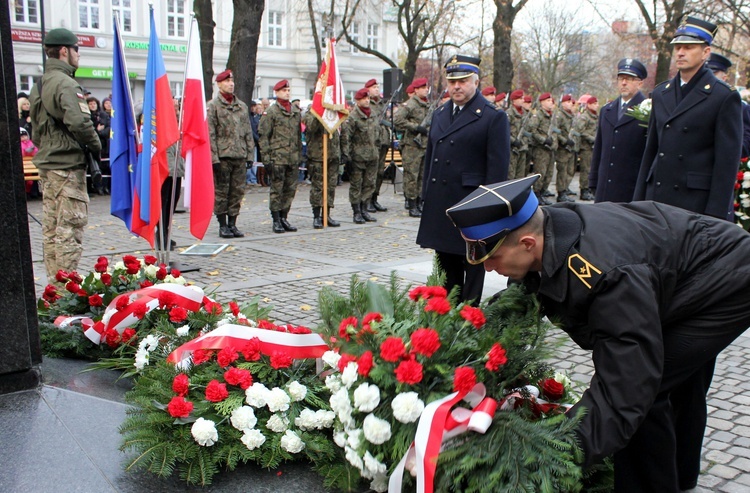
(315, 168)
(362, 180)
(544, 160)
(413, 159)
(229, 186)
(518, 165)
(381, 169)
(283, 186)
(65, 207)
(585, 155)
(565, 162)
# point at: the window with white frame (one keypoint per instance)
(124, 9)
(275, 28)
(176, 18)
(373, 33)
(25, 83)
(354, 35)
(88, 14)
(27, 11)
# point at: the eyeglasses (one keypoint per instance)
(628, 78)
(74, 48)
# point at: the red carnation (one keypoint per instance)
(95, 300)
(392, 349)
(281, 359)
(178, 407)
(251, 351)
(140, 311)
(474, 316)
(72, 287)
(150, 259)
(166, 299)
(496, 357)
(201, 356)
(122, 302)
(234, 307)
(364, 364)
(106, 279)
(175, 273)
(425, 341)
(369, 318)
(409, 371)
(266, 325)
(61, 276)
(146, 284)
(213, 308)
(127, 335)
(427, 292)
(464, 379)
(226, 356)
(216, 392)
(552, 389)
(112, 337)
(181, 385)
(238, 376)
(178, 314)
(439, 305)
(344, 327)
(161, 274)
(345, 360)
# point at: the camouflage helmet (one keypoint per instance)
(60, 37)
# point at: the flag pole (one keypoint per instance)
(325, 180)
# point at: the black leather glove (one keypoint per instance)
(570, 143)
(386, 123)
(422, 130)
(217, 167)
(515, 143)
(548, 141)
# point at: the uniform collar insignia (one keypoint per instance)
(584, 270)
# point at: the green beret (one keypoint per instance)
(60, 37)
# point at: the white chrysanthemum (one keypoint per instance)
(141, 359)
(349, 375)
(563, 379)
(306, 420)
(373, 466)
(331, 358)
(182, 331)
(223, 321)
(377, 431)
(297, 391)
(278, 423)
(342, 406)
(204, 432)
(354, 438)
(291, 442)
(366, 397)
(150, 271)
(645, 104)
(353, 457)
(379, 483)
(339, 438)
(243, 418)
(407, 407)
(277, 400)
(256, 394)
(253, 439)
(324, 418)
(333, 383)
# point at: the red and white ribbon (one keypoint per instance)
(87, 324)
(298, 346)
(538, 406)
(438, 424)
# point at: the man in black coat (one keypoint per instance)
(720, 65)
(656, 292)
(468, 146)
(695, 132)
(620, 138)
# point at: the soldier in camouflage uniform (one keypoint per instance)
(314, 133)
(518, 144)
(378, 107)
(232, 147)
(62, 126)
(360, 141)
(526, 135)
(409, 119)
(584, 134)
(544, 144)
(565, 155)
(281, 145)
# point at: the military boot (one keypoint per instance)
(224, 231)
(542, 199)
(406, 203)
(413, 210)
(232, 224)
(547, 193)
(368, 207)
(358, 219)
(332, 222)
(568, 191)
(586, 194)
(419, 204)
(365, 214)
(563, 197)
(317, 217)
(376, 205)
(285, 223)
(277, 227)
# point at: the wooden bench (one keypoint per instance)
(30, 172)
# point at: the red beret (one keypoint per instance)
(544, 95)
(417, 83)
(489, 90)
(583, 99)
(527, 98)
(567, 97)
(517, 94)
(592, 100)
(281, 85)
(370, 83)
(362, 93)
(500, 97)
(409, 89)
(224, 75)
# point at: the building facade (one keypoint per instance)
(286, 48)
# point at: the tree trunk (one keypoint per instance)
(205, 16)
(243, 48)
(502, 27)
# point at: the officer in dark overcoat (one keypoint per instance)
(720, 65)
(620, 138)
(695, 132)
(468, 146)
(656, 292)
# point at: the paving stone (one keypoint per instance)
(719, 424)
(723, 471)
(718, 457)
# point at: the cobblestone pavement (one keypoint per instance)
(287, 271)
